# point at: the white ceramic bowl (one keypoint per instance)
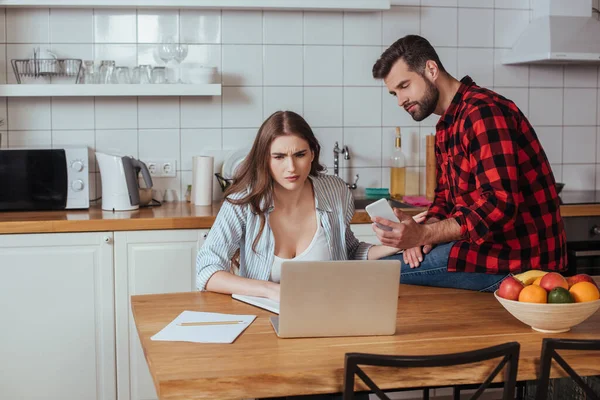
(550, 318)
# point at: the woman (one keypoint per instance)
(280, 207)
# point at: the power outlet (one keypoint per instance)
(162, 168)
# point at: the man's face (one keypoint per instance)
(415, 92)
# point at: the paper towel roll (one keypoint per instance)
(202, 180)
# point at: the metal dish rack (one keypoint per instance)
(47, 67)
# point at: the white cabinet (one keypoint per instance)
(147, 262)
(364, 233)
(57, 338)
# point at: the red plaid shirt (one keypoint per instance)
(495, 180)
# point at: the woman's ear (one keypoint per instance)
(312, 158)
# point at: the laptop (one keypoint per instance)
(337, 298)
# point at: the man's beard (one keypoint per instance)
(426, 106)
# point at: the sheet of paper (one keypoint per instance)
(225, 333)
(261, 302)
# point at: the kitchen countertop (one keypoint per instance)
(177, 215)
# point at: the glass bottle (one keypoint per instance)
(398, 170)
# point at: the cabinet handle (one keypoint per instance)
(107, 239)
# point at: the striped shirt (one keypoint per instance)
(236, 227)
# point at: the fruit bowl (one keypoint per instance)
(549, 318)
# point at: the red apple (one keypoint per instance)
(580, 278)
(510, 288)
(552, 280)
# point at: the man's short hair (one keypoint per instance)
(414, 50)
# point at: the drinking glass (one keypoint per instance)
(145, 74)
(123, 75)
(89, 73)
(107, 72)
(181, 52)
(159, 75)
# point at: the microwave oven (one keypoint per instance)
(44, 179)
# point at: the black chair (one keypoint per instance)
(508, 351)
(549, 347)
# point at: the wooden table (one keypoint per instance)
(258, 364)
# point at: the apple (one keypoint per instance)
(510, 288)
(552, 280)
(580, 278)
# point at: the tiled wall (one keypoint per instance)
(318, 64)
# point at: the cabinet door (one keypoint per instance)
(364, 233)
(57, 339)
(147, 262)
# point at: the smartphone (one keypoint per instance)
(381, 208)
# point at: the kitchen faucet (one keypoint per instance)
(336, 163)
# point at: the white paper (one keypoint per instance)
(262, 302)
(207, 333)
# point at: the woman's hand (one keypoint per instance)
(273, 291)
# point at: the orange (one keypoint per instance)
(533, 294)
(584, 291)
(537, 281)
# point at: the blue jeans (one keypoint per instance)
(433, 271)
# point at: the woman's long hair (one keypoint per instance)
(253, 176)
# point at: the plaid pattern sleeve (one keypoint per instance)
(496, 182)
(439, 207)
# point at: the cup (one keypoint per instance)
(123, 75)
(169, 195)
(159, 75)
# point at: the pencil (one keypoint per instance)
(209, 323)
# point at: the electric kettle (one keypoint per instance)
(120, 185)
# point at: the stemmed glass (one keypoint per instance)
(166, 50)
(181, 52)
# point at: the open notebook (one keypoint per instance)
(261, 302)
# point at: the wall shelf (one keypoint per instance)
(350, 5)
(73, 90)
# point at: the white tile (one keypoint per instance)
(205, 54)
(362, 106)
(598, 146)
(439, 3)
(242, 107)
(476, 3)
(449, 58)
(519, 96)
(546, 75)
(551, 138)
(30, 139)
(158, 112)
(520, 4)
(200, 26)
(159, 144)
(509, 75)
(508, 26)
(399, 22)
(72, 113)
(122, 54)
(201, 112)
(368, 177)
(282, 27)
(242, 27)
(28, 25)
(68, 50)
(407, 2)
(323, 106)
(393, 114)
(29, 113)
(583, 76)
(115, 26)
(69, 25)
(545, 107)
(410, 144)
(475, 27)
(4, 65)
(364, 145)
(162, 184)
(579, 144)
(579, 176)
(597, 176)
(79, 138)
(156, 26)
(3, 114)
(439, 26)
(242, 65)
(557, 172)
(117, 141)
(362, 28)
(234, 139)
(358, 64)
(196, 142)
(323, 28)
(3, 25)
(478, 64)
(283, 65)
(278, 98)
(327, 138)
(598, 111)
(580, 106)
(116, 112)
(323, 65)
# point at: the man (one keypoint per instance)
(496, 208)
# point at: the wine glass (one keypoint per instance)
(166, 50)
(181, 52)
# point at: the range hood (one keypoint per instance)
(562, 32)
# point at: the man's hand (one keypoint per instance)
(404, 235)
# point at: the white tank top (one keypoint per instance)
(317, 250)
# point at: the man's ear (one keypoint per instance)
(432, 70)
